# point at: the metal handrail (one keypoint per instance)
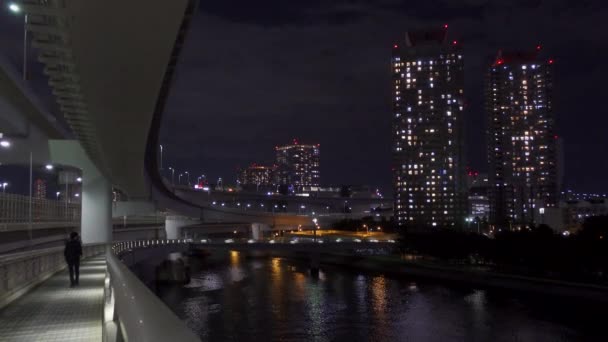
(140, 314)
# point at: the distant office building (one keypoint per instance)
(570, 215)
(256, 175)
(297, 165)
(478, 200)
(521, 138)
(570, 195)
(428, 101)
(40, 189)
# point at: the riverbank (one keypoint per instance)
(397, 267)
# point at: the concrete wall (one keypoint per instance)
(133, 208)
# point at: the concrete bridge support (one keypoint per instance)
(174, 226)
(258, 229)
(96, 214)
(96, 217)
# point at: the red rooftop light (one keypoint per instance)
(500, 61)
(454, 42)
(445, 26)
(538, 47)
(395, 46)
(551, 61)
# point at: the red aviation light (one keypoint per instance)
(395, 46)
(555, 137)
(538, 47)
(445, 26)
(551, 61)
(454, 42)
(500, 61)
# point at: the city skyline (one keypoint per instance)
(359, 100)
(359, 103)
(169, 154)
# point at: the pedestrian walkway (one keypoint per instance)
(55, 312)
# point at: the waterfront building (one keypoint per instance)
(428, 104)
(256, 176)
(297, 165)
(522, 140)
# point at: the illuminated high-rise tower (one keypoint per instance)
(428, 101)
(297, 165)
(521, 138)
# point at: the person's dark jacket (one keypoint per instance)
(73, 251)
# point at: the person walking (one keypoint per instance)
(72, 253)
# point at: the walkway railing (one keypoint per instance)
(16, 209)
(19, 272)
(133, 312)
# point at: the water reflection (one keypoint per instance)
(237, 298)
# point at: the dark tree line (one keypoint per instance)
(538, 251)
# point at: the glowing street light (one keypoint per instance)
(172, 175)
(15, 8)
(49, 167)
(5, 143)
(4, 185)
(161, 157)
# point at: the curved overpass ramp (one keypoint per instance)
(110, 64)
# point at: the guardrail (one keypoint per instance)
(132, 312)
(19, 272)
(16, 209)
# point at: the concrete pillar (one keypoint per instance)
(174, 225)
(257, 230)
(96, 217)
(96, 214)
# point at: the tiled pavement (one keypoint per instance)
(55, 312)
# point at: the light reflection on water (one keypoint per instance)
(236, 298)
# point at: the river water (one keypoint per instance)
(236, 298)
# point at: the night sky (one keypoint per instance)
(255, 74)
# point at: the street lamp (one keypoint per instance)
(57, 193)
(314, 220)
(172, 175)
(188, 174)
(179, 178)
(15, 8)
(161, 157)
(4, 185)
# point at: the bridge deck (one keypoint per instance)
(55, 312)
